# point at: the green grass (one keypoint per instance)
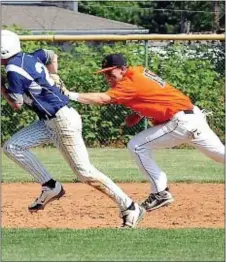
(181, 165)
(113, 245)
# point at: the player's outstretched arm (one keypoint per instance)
(90, 98)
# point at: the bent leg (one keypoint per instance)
(68, 128)
(141, 148)
(17, 149)
(210, 145)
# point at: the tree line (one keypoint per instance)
(163, 17)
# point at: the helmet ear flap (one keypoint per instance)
(4, 51)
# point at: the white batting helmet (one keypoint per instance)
(10, 44)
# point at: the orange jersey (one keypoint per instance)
(147, 94)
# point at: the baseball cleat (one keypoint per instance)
(132, 216)
(48, 195)
(157, 200)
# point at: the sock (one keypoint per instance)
(131, 207)
(51, 183)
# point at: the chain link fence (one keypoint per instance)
(195, 67)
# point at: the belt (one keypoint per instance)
(47, 117)
(188, 112)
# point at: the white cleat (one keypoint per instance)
(48, 195)
(132, 216)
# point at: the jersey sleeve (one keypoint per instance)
(16, 86)
(122, 92)
(44, 55)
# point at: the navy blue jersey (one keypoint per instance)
(30, 83)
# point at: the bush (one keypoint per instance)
(195, 76)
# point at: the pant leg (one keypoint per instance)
(68, 138)
(141, 148)
(17, 149)
(183, 128)
(204, 139)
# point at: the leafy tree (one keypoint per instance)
(121, 11)
(159, 16)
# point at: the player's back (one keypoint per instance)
(29, 77)
(34, 67)
(153, 97)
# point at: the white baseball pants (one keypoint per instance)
(65, 131)
(182, 128)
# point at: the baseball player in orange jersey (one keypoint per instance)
(175, 120)
(29, 83)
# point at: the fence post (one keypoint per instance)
(145, 65)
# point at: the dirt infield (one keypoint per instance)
(196, 205)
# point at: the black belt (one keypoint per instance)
(47, 117)
(188, 112)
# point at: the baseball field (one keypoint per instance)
(84, 224)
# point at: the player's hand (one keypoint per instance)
(133, 119)
(60, 84)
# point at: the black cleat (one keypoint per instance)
(157, 200)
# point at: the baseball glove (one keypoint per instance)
(60, 84)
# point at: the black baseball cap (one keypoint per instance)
(111, 62)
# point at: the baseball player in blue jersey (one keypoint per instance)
(29, 83)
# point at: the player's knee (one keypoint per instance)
(7, 148)
(88, 174)
(84, 174)
(11, 148)
(134, 147)
(86, 177)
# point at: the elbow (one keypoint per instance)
(55, 63)
(53, 66)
